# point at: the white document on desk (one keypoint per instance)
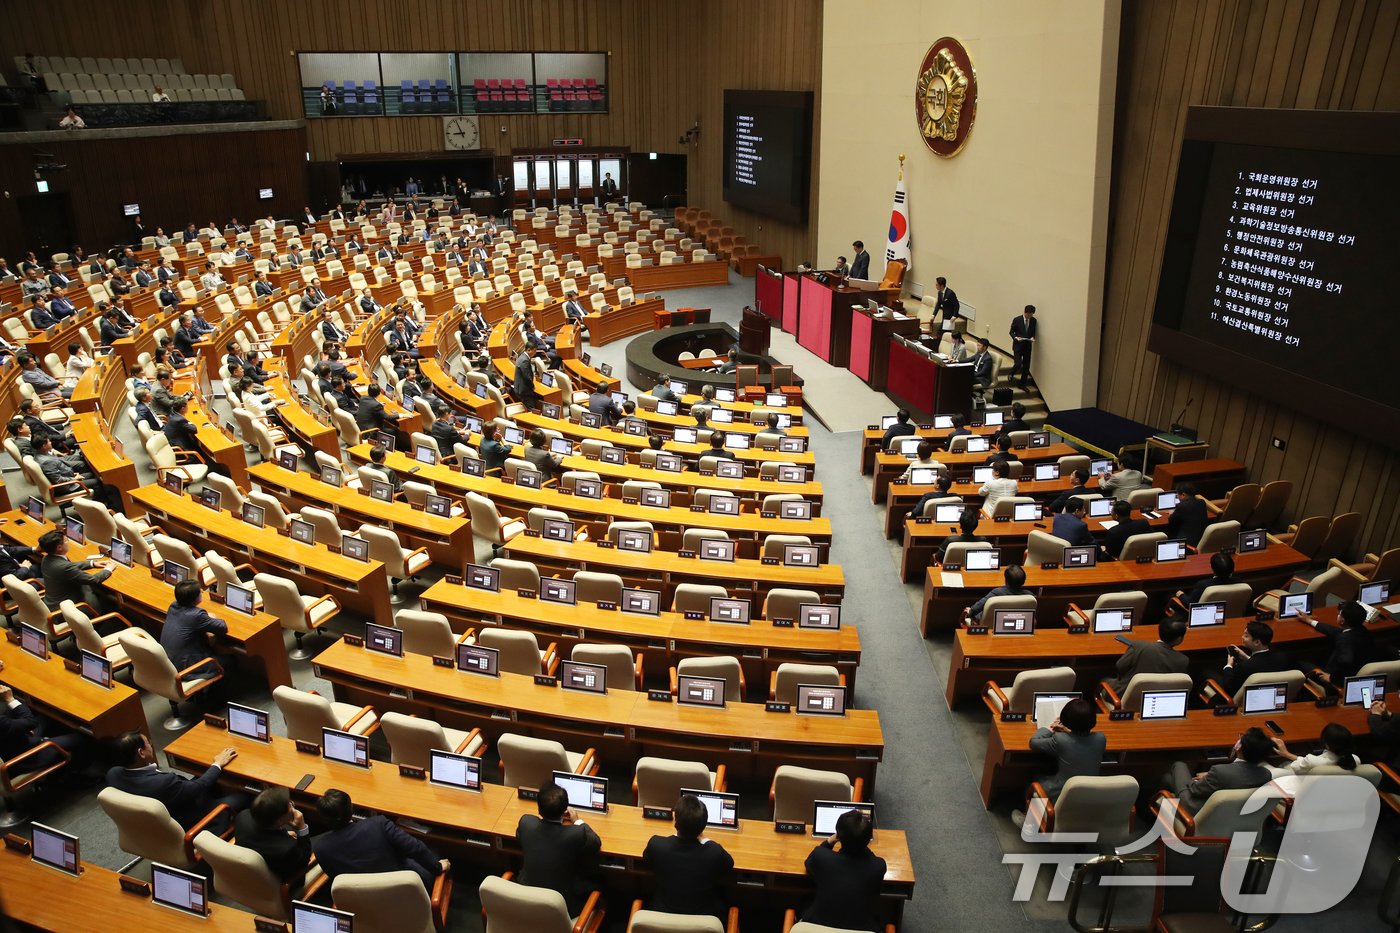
(1107, 524)
(950, 579)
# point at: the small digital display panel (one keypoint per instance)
(1206, 614)
(1112, 621)
(344, 747)
(248, 722)
(825, 813)
(726, 609)
(179, 890)
(95, 668)
(1168, 551)
(1164, 704)
(800, 555)
(558, 591)
(819, 700)
(818, 615)
(478, 659)
(579, 675)
(1014, 622)
(724, 505)
(384, 638)
(585, 792)
(1081, 556)
(448, 769)
(482, 578)
(700, 691)
(642, 602)
(55, 849)
(1266, 698)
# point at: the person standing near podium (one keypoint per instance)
(947, 304)
(1023, 331)
(860, 266)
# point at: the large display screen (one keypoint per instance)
(1280, 260)
(768, 152)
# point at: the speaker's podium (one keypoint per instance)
(926, 385)
(825, 307)
(755, 332)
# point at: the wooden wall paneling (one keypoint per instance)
(1331, 54)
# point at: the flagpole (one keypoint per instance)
(901, 166)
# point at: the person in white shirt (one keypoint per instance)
(924, 459)
(71, 121)
(1337, 751)
(159, 96)
(999, 487)
(211, 279)
(78, 363)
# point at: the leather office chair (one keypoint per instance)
(658, 782)
(1071, 462)
(722, 666)
(20, 773)
(146, 829)
(1101, 805)
(1341, 534)
(655, 921)
(426, 633)
(519, 651)
(571, 477)
(773, 502)
(225, 572)
(242, 876)
(1042, 546)
(785, 603)
(231, 498)
(153, 672)
(1143, 545)
(794, 790)
(173, 549)
(531, 762)
(691, 537)
(32, 610)
(998, 603)
(1334, 583)
(273, 514)
(1272, 501)
(1236, 597)
(695, 597)
(61, 495)
(142, 553)
(1136, 600)
(624, 670)
(306, 712)
(510, 908)
(644, 527)
(1307, 535)
(591, 586)
(1131, 698)
(1144, 499)
(1006, 506)
(1220, 817)
(783, 682)
(516, 574)
(87, 637)
(400, 563)
(1295, 681)
(1217, 536)
(773, 545)
(1020, 696)
(536, 517)
(956, 552)
(1239, 504)
(299, 614)
(411, 738)
(487, 524)
(166, 459)
(394, 901)
(632, 488)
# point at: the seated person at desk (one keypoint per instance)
(960, 429)
(1119, 482)
(162, 398)
(179, 430)
(1253, 655)
(707, 401)
(21, 729)
(983, 364)
(1189, 519)
(31, 412)
(573, 308)
(1222, 568)
(250, 365)
(211, 279)
(172, 356)
(772, 426)
(957, 350)
(43, 383)
(846, 881)
(74, 468)
(1070, 524)
(539, 456)
(557, 848)
(601, 404)
(346, 399)
(1338, 751)
(110, 331)
(1152, 657)
(841, 268)
(262, 288)
(967, 525)
(370, 414)
(493, 451)
(717, 448)
(187, 800)
(444, 431)
(900, 428)
(1124, 528)
(1245, 769)
(1014, 584)
(731, 361)
(1017, 422)
(371, 845)
(329, 330)
(999, 487)
(19, 561)
(277, 831)
(377, 456)
(1072, 743)
(662, 390)
(923, 460)
(1002, 454)
(187, 335)
(690, 870)
(1061, 502)
(1352, 644)
(185, 634)
(942, 489)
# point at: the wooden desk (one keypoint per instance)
(1212, 476)
(664, 639)
(873, 435)
(667, 569)
(692, 452)
(145, 601)
(622, 726)
(446, 539)
(1055, 589)
(301, 424)
(52, 690)
(636, 318)
(980, 658)
(870, 343)
(482, 825)
(361, 585)
(105, 454)
(41, 898)
(927, 385)
(889, 467)
(900, 498)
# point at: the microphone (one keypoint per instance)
(1177, 421)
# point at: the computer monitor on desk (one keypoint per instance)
(692, 690)
(825, 813)
(1266, 698)
(1207, 614)
(584, 792)
(447, 769)
(1112, 621)
(1164, 704)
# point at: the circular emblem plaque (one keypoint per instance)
(945, 99)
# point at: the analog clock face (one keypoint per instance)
(461, 133)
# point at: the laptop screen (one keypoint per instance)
(642, 602)
(558, 591)
(818, 615)
(344, 747)
(628, 540)
(1047, 471)
(121, 552)
(1100, 508)
(585, 793)
(1166, 501)
(1293, 603)
(452, 770)
(1251, 541)
(310, 918)
(579, 675)
(1363, 691)
(692, 690)
(55, 849)
(482, 578)
(1374, 593)
(1266, 698)
(721, 549)
(725, 609)
(721, 809)
(1080, 556)
(384, 638)
(1164, 704)
(1014, 622)
(478, 659)
(1203, 614)
(1112, 621)
(179, 890)
(982, 559)
(800, 555)
(95, 668)
(825, 813)
(1170, 551)
(248, 722)
(819, 700)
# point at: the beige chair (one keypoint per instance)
(536, 517)
(1272, 501)
(773, 544)
(1131, 698)
(531, 762)
(394, 901)
(516, 908)
(643, 527)
(956, 552)
(655, 921)
(142, 553)
(658, 782)
(1332, 583)
(592, 586)
(87, 637)
(488, 525)
(1217, 536)
(1307, 536)
(61, 495)
(795, 790)
(695, 597)
(722, 666)
(1006, 506)
(1341, 533)
(306, 712)
(783, 682)
(227, 572)
(173, 549)
(624, 671)
(326, 525)
(399, 562)
(146, 829)
(301, 615)
(1144, 499)
(1135, 600)
(152, 671)
(166, 459)
(426, 633)
(1239, 504)
(1042, 546)
(785, 603)
(691, 537)
(1101, 806)
(1221, 816)
(32, 610)
(1235, 596)
(1143, 545)
(1020, 696)
(995, 604)
(1294, 680)
(519, 651)
(411, 738)
(20, 773)
(516, 574)
(242, 876)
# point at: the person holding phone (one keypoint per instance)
(1338, 750)
(1255, 654)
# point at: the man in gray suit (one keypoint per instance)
(1072, 744)
(1152, 657)
(1245, 769)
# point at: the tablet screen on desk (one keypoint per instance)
(1167, 501)
(678, 387)
(478, 659)
(994, 419)
(1363, 691)
(665, 407)
(331, 476)
(174, 483)
(95, 668)
(305, 532)
(585, 792)
(639, 541)
(729, 469)
(254, 515)
(178, 890)
(724, 395)
(55, 849)
(472, 424)
(721, 416)
(344, 747)
(448, 769)
(634, 427)
(907, 446)
(1374, 593)
(557, 529)
(558, 591)
(175, 573)
(642, 602)
(799, 509)
(947, 514)
(1041, 439)
(33, 641)
(1112, 621)
(820, 700)
(721, 809)
(1014, 622)
(473, 467)
(441, 506)
(1164, 704)
(700, 691)
(825, 813)
(73, 529)
(1206, 614)
(725, 609)
(721, 549)
(614, 455)
(311, 918)
(1266, 698)
(590, 420)
(792, 445)
(978, 445)
(1047, 471)
(384, 638)
(1251, 541)
(1080, 556)
(34, 506)
(248, 722)
(381, 491)
(800, 555)
(1170, 550)
(982, 559)
(818, 615)
(685, 435)
(655, 498)
(736, 441)
(482, 578)
(425, 455)
(580, 675)
(982, 474)
(724, 505)
(1025, 511)
(941, 422)
(561, 447)
(588, 488)
(1100, 507)
(1293, 603)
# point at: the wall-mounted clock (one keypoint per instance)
(461, 133)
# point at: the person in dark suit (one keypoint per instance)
(370, 845)
(947, 303)
(1002, 454)
(329, 330)
(967, 524)
(1253, 655)
(983, 364)
(64, 578)
(1013, 584)
(846, 881)
(1080, 487)
(188, 800)
(1017, 422)
(524, 385)
(39, 314)
(1023, 331)
(900, 428)
(1126, 527)
(277, 831)
(370, 414)
(662, 391)
(143, 409)
(444, 431)
(1245, 769)
(179, 430)
(602, 405)
(539, 456)
(691, 872)
(1222, 568)
(573, 308)
(493, 450)
(1074, 746)
(1352, 645)
(1189, 519)
(185, 634)
(860, 265)
(717, 448)
(1070, 524)
(609, 187)
(557, 848)
(1153, 657)
(21, 729)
